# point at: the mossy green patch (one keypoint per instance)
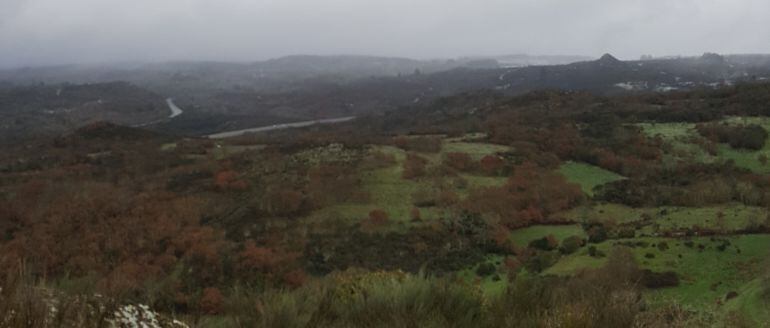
(708, 268)
(388, 191)
(604, 212)
(587, 176)
(680, 139)
(168, 146)
(221, 150)
(707, 274)
(668, 131)
(569, 265)
(746, 159)
(476, 150)
(734, 216)
(491, 285)
(751, 302)
(478, 181)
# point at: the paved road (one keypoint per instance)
(175, 111)
(229, 134)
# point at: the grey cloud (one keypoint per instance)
(34, 32)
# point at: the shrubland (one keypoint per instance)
(549, 209)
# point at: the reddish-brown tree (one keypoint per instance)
(459, 161)
(414, 166)
(229, 180)
(284, 202)
(378, 217)
(415, 214)
(491, 164)
(212, 302)
(530, 195)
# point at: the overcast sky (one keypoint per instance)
(36, 32)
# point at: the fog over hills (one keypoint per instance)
(220, 96)
(53, 32)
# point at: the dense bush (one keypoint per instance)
(571, 244)
(750, 137)
(530, 196)
(596, 233)
(485, 269)
(424, 144)
(546, 243)
(491, 164)
(542, 260)
(460, 161)
(655, 280)
(414, 166)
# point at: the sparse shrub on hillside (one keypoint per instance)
(750, 137)
(212, 301)
(542, 260)
(295, 278)
(765, 288)
(414, 166)
(424, 197)
(229, 180)
(595, 252)
(460, 161)
(546, 243)
(626, 232)
(485, 269)
(423, 144)
(447, 198)
(596, 233)
(571, 244)
(491, 164)
(656, 280)
(762, 159)
(332, 183)
(378, 217)
(414, 214)
(284, 202)
(530, 195)
(502, 237)
(378, 160)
